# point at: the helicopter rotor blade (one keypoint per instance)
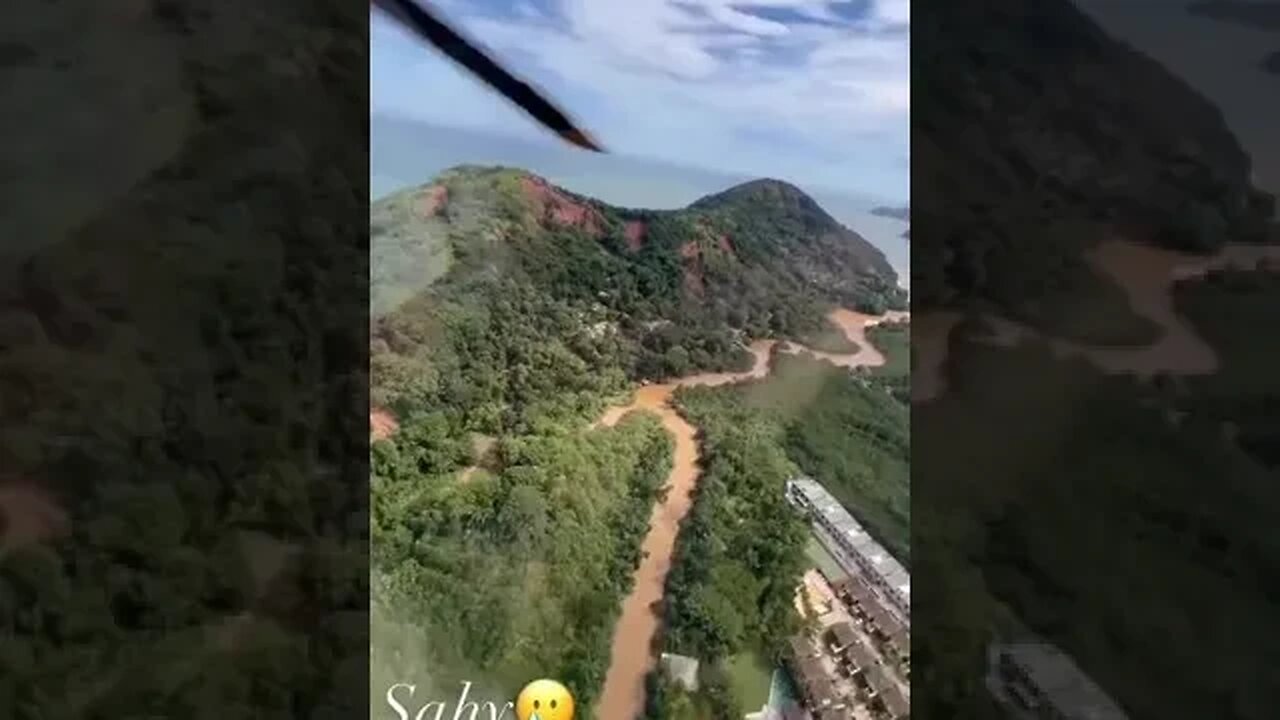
(423, 23)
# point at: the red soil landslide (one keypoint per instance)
(382, 424)
(691, 253)
(434, 199)
(559, 209)
(635, 232)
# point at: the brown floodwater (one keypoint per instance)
(1147, 275)
(382, 424)
(930, 334)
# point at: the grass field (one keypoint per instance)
(851, 437)
(1134, 544)
(894, 342)
(751, 675)
(822, 559)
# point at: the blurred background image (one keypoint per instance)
(639, 417)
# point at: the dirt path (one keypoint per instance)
(1147, 275)
(631, 657)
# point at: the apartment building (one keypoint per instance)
(856, 550)
(1037, 681)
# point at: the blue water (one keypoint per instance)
(781, 693)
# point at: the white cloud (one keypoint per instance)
(893, 11)
(812, 9)
(701, 82)
(528, 10)
(733, 19)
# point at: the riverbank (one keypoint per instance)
(1147, 275)
(631, 654)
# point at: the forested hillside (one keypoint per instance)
(652, 293)
(499, 577)
(1040, 137)
(740, 553)
(894, 341)
(506, 313)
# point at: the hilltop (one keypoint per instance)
(496, 215)
(649, 293)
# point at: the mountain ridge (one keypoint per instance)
(411, 229)
(499, 257)
(1014, 160)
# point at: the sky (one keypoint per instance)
(815, 92)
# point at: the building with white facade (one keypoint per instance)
(1037, 681)
(859, 553)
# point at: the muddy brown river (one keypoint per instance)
(1147, 275)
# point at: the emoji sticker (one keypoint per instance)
(544, 700)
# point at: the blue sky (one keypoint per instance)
(811, 91)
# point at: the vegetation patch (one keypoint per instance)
(751, 675)
(742, 552)
(1027, 450)
(520, 572)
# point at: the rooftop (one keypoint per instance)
(860, 656)
(884, 620)
(877, 679)
(895, 702)
(1063, 683)
(809, 673)
(813, 681)
(682, 670)
(891, 572)
(801, 647)
(843, 634)
(901, 639)
(859, 591)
